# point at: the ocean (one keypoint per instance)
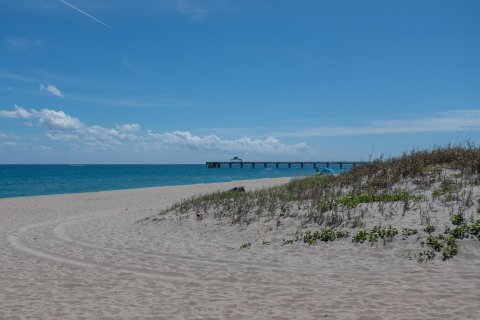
(32, 180)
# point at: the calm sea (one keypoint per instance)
(30, 180)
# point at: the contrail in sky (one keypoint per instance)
(81, 11)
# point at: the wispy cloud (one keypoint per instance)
(51, 89)
(134, 102)
(450, 121)
(187, 7)
(23, 44)
(17, 77)
(131, 65)
(85, 13)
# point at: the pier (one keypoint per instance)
(278, 164)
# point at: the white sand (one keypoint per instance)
(83, 256)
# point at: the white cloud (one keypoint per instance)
(17, 113)
(128, 128)
(56, 120)
(51, 119)
(450, 121)
(51, 89)
(128, 137)
(211, 142)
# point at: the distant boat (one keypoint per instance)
(236, 159)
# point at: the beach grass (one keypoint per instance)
(418, 180)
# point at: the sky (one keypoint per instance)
(186, 81)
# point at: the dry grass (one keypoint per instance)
(419, 180)
(383, 182)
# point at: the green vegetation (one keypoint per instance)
(333, 202)
(457, 219)
(377, 232)
(325, 235)
(323, 195)
(436, 242)
(465, 231)
(445, 244)
(360, 237)
(426, 256)
(406, 232)
(429, 229)
(450, 249)
(246, 245)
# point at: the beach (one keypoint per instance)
(90, 256)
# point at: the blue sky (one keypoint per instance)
(184, 81)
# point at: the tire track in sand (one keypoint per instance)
(59, 231)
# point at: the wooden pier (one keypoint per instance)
(278, 164)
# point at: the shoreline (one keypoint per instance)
(155, 187)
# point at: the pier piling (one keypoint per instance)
(315, 164)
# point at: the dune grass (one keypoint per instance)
(378, 181)
(334, 202)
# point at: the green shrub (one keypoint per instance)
(447, 245)
(325, 235)
(459, 232)
(406, 232)
(450, 249)
(474, 229)
(426, 255)
(372, 237)
(360, 237)
(457, 219)
(385, 233)
(342, 234)
(377, 232)
(436, 242)
(429, 229)
(246, 245)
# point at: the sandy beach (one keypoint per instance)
(86, 256)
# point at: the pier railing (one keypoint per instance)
(278, 164)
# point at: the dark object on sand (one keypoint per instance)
(238, 189)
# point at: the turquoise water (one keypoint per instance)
(30, 180)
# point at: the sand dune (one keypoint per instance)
(85, 256)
